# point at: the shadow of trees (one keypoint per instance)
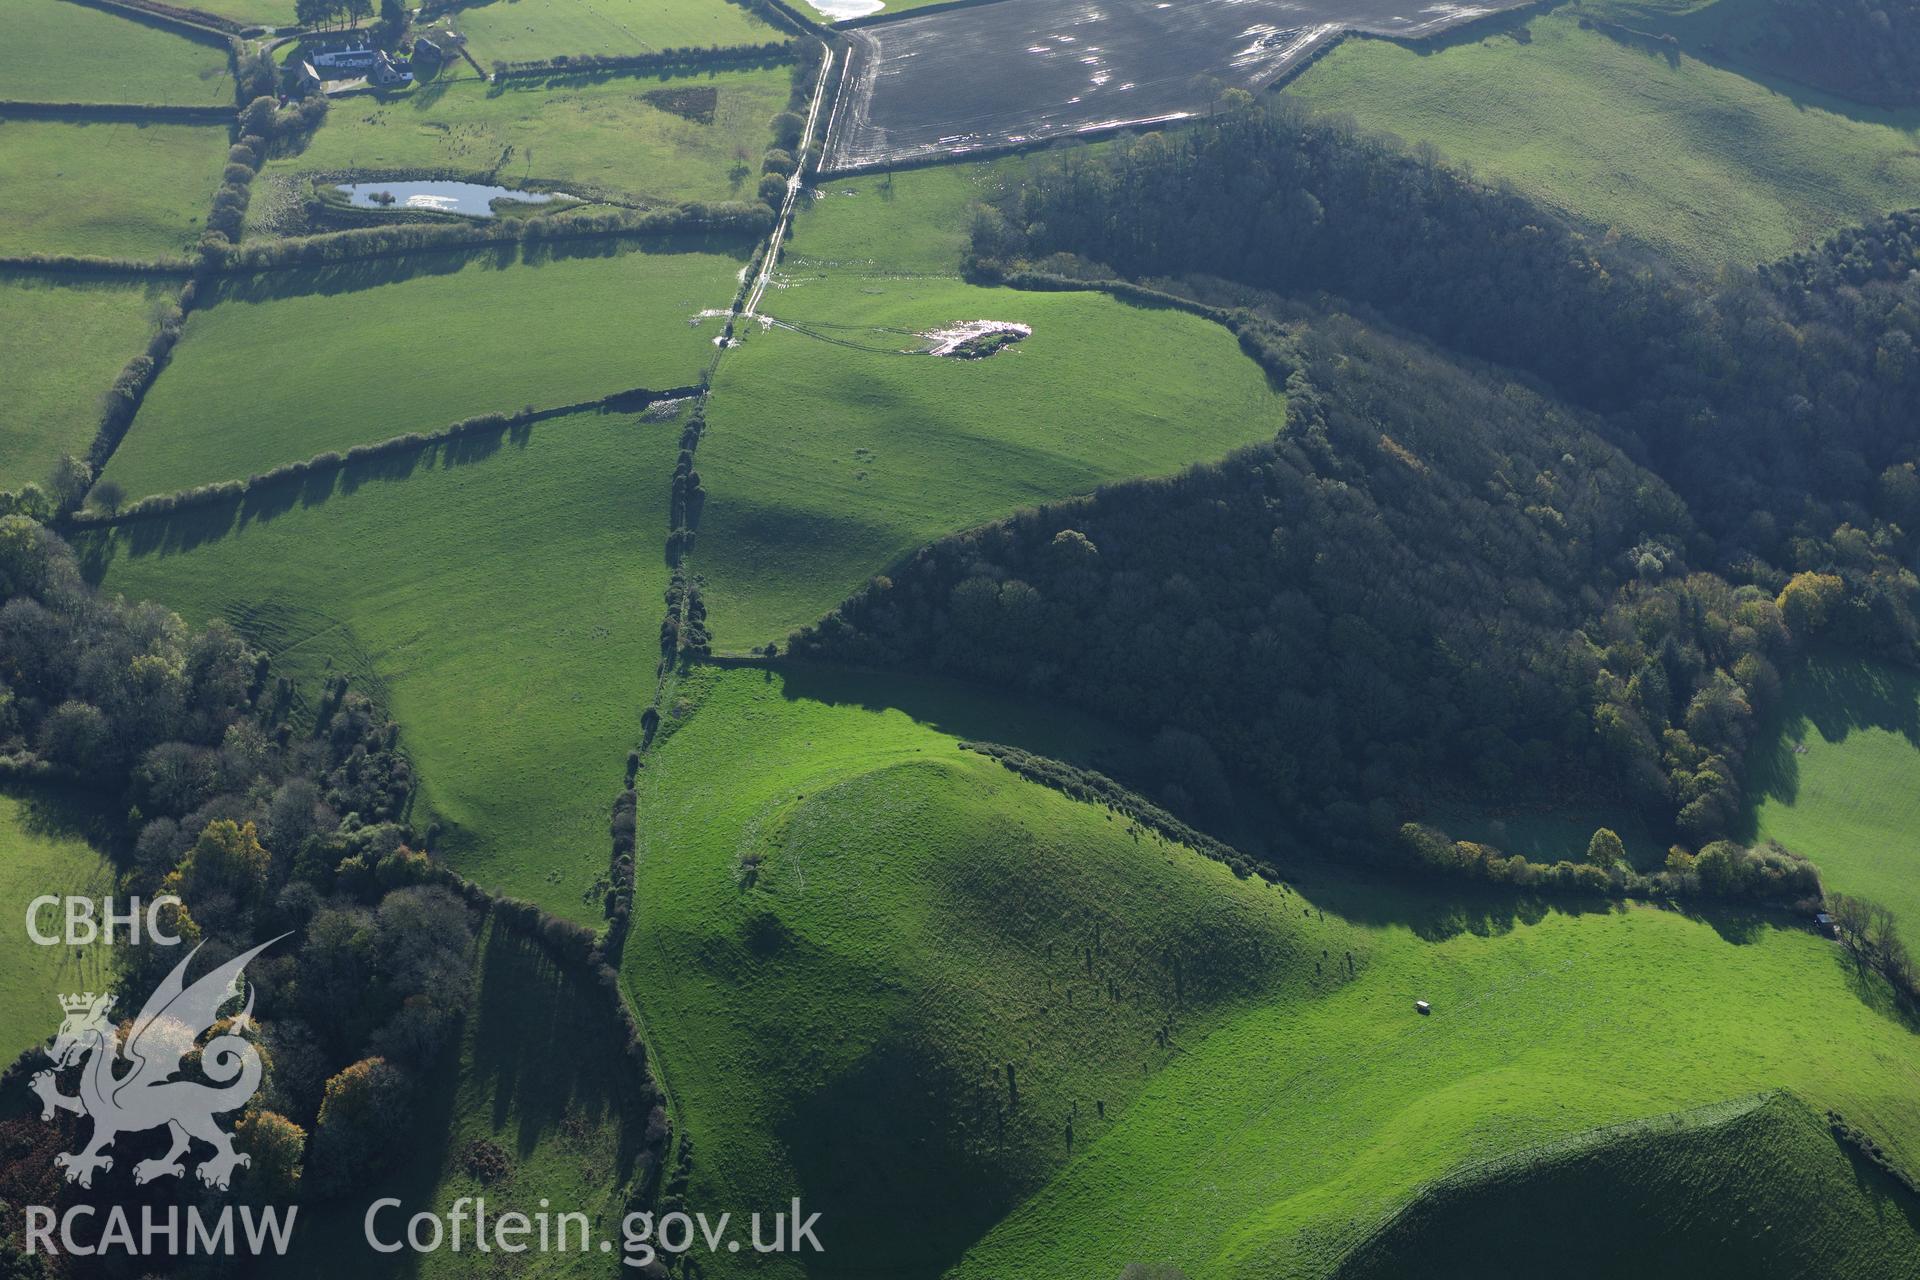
(964, 711)
(1831, 695)
(61, 811)
(543, 1046)
(359, 273)
(201, 523)
(583, 78)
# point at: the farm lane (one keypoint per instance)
(795, 185)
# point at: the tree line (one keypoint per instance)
(1578, 571)
(264, 817)
(1379, 606)
(1781, 404)
(1722, 869)
(1773, 409)
(1867, 50)
(1870, 931)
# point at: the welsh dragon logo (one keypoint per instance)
(129, 1087)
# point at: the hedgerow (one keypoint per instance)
(393, 239)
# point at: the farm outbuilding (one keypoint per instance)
(346, 59)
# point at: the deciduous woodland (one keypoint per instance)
(1416, 585)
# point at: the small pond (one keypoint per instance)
(471, 198)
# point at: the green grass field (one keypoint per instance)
(829, 453)
(67, 339)
(849, 927)
(598, 137)
(1271, 1148)
(535, 1078)
(45, 847)
(849, 917)
(56, 51)
(289, 365)
(1837, 778)
(525, 30)
(261, 13)
(1700, 163)
(1693, 1187)
(914, 222)
(823, 463)
(501, 597)
(109, 190)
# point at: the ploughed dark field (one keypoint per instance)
(997, 74)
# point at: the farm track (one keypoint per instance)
(743, 308)
(794, 186)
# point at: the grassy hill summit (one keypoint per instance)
(1758, 1187)
(894, 975)
(848, 928)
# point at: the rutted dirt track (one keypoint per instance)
(996, 75)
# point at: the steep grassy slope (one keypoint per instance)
(536, 1077)
(61, 52)
(598, 136)
(66, 339)
(520, 30)
(1272, 1148)
(849, 932)
(839, 916)
(1702, 163)
(501, 596)
(45, 847)
(1838, 780)
(1746, 1190)
(357, 355)
(108, 190)
(830, 451)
